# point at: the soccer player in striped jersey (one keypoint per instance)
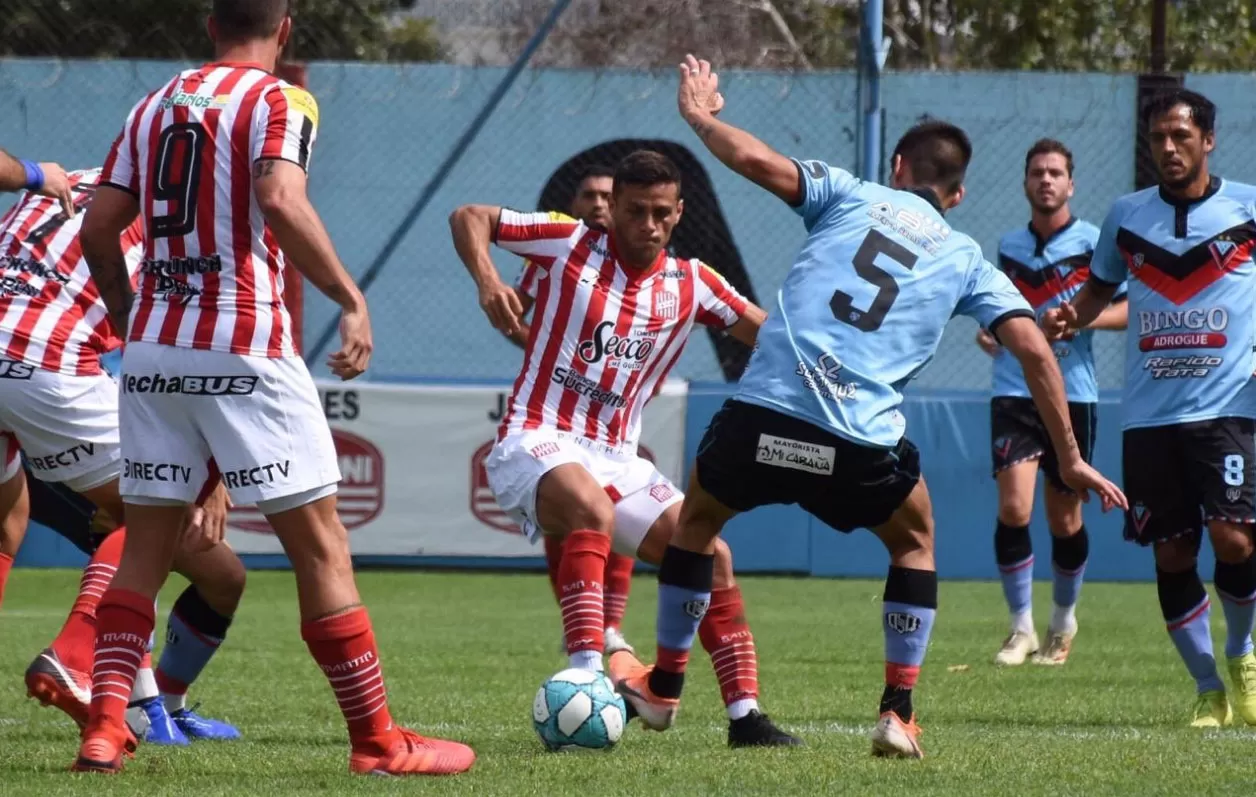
(1048, 260)
(612, 317)
(214, 162)
(59, 407)
(591, 204)
(816, 419)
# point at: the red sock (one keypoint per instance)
(75, 645)
(726, 636)
(6, 564)
(580, 578)
(344, 647)
(553, 556)
(124, 623)
(618, 584)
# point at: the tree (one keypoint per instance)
(1056, 35)
(175, 29)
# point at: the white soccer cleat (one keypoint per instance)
(1055, 652)
(1018, 647)
(615, 641)
(893, 738)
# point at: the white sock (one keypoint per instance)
(1063, 619)
(740, 708)
(1023, 622)
(145, 685)
(175, 702)
(586, 660)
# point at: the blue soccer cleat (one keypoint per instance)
(194, 726)
(162, 729)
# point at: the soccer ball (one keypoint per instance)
(578, 710)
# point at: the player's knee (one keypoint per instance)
(1064, 517)
(597, 514)
(1231, 542)
(1176, 555)
(1015, 509)
(723, 573)
(229, 586)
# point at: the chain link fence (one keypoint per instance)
(399, 82)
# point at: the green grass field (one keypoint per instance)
(464, 655)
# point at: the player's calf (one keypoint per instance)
(1235, 581)
(571, 504)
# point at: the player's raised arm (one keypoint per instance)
(48, 179)
(109, 215)
(700, 101)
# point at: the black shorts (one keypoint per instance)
(1179, 477)
(751, 456)
(1017, 434)
(64, 511)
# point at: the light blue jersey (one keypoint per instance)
(864, 306)
(1048, 272)
(1189, 350)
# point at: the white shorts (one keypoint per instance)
(66, 425)
(260, 419)
(641, 494)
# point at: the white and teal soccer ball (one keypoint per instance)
(578, 710)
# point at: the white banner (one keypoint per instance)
(412, 466)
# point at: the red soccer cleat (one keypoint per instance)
(412, 754)
(102, 750)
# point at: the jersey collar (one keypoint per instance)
(1182, 207)
(1214, 185)
(635, 275)
(930, 196)
(1040, 243)
(237, 65)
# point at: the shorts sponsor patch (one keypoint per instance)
(782, 452)
(12, 369)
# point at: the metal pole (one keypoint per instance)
(451, 160)
(876, 49)
(1159, 24)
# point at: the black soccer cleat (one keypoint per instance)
(756, 729)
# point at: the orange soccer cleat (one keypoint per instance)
(412, 754)
(632, 682)
(893, 738)
(103, 748)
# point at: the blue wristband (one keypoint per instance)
(34, 176)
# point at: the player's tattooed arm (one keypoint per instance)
(108, 216)
(280, 189)
(699, 102)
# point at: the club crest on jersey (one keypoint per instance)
(1223, 252)
(665, 305)
(1136, 262)
(1232, 494)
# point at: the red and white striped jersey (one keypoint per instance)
(604, 336)
(212, 276)
(51, 315)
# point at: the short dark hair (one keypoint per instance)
(938, 153)
(594, 170)
(645, 167)
(246, 20)
(1049, 146)
(1203, 111)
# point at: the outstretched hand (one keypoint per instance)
(699, 92)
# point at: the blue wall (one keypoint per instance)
(385, 129)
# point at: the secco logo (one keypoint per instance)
(360, 498)
(484, 506)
